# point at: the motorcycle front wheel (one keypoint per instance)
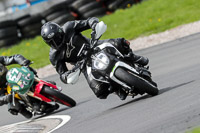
(58, 96)
(140, 84)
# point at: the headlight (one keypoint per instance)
(101, 61)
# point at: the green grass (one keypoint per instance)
(195, 130)
(33, 49)
(151, 16)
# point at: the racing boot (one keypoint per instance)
(51, 107)
(143, 61)
(19, 108)
(5, 99)
(130, 56)
(122, 94)
(26, 113)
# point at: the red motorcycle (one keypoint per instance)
(36, 95)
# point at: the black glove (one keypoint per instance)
(5, 99)
(14, 109)
(13, 112)
(93, 22)
(93, 34)
(26, 63)
(93, 26)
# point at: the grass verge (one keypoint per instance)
(148, 17)
(195, 130)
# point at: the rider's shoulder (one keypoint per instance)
(53, 53)
(68, 24)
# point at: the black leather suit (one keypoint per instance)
(8, 60)
(6, 99)
(72, 42)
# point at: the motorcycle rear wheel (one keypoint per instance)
(60, 97)
(134, 80)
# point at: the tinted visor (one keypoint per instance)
(55, 42)
(52, 43)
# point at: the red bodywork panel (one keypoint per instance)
(39, 87)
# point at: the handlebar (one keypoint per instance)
(31, 69)
(79, 65)
(85, 52)
(93, 40)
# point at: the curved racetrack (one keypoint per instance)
(175, 66)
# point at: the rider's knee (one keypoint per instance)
(121, 44)
(100, 89)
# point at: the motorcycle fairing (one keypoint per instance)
(118, 64)
(95, 77)
(109, 45)
(39, 87)
(9, 91)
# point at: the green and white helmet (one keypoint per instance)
(20, 79)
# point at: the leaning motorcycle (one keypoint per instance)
(36, 95)
(104, 63)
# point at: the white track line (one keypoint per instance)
(64, 118)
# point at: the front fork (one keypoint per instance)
(13, 98)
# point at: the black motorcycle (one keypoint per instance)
(104, 63)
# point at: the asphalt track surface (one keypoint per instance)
(175, 66)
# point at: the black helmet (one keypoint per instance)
(52, 34)
(3, 72)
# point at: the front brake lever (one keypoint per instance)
(79, 64)
(75, 67)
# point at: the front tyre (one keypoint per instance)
(60, 97)
(140, 84)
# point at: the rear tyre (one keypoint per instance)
(57, 6)
(93, 13)
(63, 19)
(77, 4)
(8, 32)
(7, 23)
(113, 5)
(60, 97)
(56, 15)
(140, 84)
(29, 20)
(88, 7)
(126, 4)
(6, 42)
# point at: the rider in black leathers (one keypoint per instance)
(7, 98)
(65, 43)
